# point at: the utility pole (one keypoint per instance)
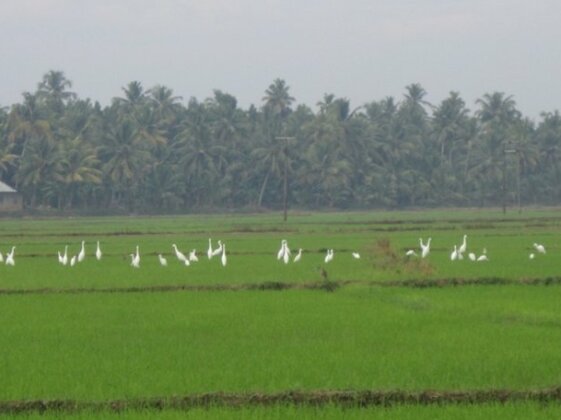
(511, 151)
(285, 189)
(504, 183)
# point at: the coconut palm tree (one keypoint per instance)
(166, 105)
(277, 100)
(28, 120)
(134, 98)
(124, 156)
(53, 90)
(497, 113)
(40, 165)
(8, 159)
(80, 166)
(269, 157)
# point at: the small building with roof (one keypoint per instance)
(10, 199)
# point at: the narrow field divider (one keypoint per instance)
(326, 285)
(356, 398)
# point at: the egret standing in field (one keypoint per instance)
(10, 257)
(472, 256)
(223, 259)
(73, 261)
(463, 246)
(483, 256)
(328, 256)
(209, 251)
(454, 254)
(98, 253)
(180, 255)
(298, 256)
(425, 248)
(82, 253)
(286, 256)
(218, 250)
(356, 255)
(163, 261)
(135, 262)
(282, 250)
(193, 256)
(540, 248)
(135, 258)
(411, 253)
(64, 260)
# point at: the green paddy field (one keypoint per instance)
(430, 338)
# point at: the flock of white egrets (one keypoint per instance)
(284, 254)
(459, 251)
(64, 259)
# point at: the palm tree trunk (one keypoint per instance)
(262, 192)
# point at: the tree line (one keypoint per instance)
(148, 151)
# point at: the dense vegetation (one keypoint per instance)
(149, 152)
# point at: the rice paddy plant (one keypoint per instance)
(149, 344)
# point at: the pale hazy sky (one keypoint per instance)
(360, 49)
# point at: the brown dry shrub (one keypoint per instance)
(387, 258)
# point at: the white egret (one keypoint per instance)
(540, 248)
(471, 256)
(356, 255)
(425, 248)
(218, 250)
(209, 251)
(454, 254)
(223, 259)
(298, 256)
(328, 256)
(287, 249)
(286, 256)
(193, 256)
(463, 246)
(282, 249)
(65, 256)
(10, 257)
(135, 258)
(411, 253)
(483, 256)
(187, 262)
(135, 262)
(98, 253)
(73, 261)
(163, 261)
(59, 257)
(180, 255)
(532, 256)
(82, 253)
